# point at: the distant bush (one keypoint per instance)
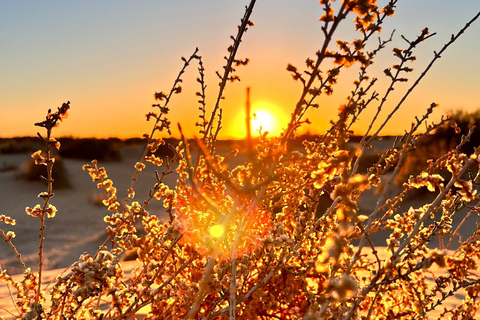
(443, 138)
(19, 145)
(462, 122)
(86, 149)
(34, 173)
(167, 149)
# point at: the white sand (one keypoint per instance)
(129, 266)
(79, 225)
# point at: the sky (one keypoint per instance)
(109, 57)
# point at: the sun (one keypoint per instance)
(262, 120)
(268, 117)
(264, 115)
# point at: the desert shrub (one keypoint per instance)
(444, 138)
(31, 172)
(167, 149)
(87, 149)
(19, 145)
(258, 240)
(462, 123)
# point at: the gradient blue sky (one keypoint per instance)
(109, 57)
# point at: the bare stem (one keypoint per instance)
(49, 162)
(202, 289)
(429, 66)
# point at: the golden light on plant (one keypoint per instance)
(213, 233)
(282, 229)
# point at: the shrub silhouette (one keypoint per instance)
(259, 240)
(443, 139)
(34, 173)
(19, 145)
(463, 122)
(87, 149)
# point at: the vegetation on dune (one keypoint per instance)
(258, 240)
(33, 172)
(87, 149)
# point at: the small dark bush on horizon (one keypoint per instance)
(32, 172)
(91, 148)
(19, 145)
(440, 142)
(464, 121)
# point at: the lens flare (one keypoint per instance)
(217, 231)
(203, 230)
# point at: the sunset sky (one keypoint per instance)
(109, 57)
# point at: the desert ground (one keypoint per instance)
(79, 227)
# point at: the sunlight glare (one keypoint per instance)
(269, 117)
(262, 120)
(263, 114)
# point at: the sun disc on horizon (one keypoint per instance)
(262, 120)
(263, 114)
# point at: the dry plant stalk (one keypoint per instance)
(255, 240)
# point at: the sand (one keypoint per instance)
(79, 226)
(129, 266)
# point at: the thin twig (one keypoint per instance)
(455, 233)
(425, 71)
(227, 71)
(15, 251)
(11, 297)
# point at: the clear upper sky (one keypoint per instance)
(109, 57)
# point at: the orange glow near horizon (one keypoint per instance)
(111, 93)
